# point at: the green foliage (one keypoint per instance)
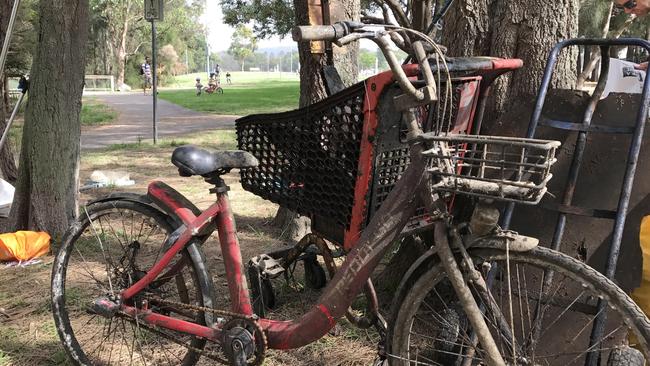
(243, 44)
(23, 40)
(366, 59)
(181, 39)
(269, 16)
(594, 13)
(593, 17)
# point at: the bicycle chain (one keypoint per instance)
(155, 329)
(252, 319)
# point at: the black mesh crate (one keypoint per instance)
(310, 158)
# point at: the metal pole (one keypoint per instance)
(207, 55)
(154, 80)
(11, 119)
(10, 29)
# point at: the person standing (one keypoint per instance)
(217, 71)
(638, 8)
(145, 71)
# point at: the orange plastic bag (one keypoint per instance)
(23, 245)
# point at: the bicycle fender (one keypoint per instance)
(142, 199)
(507, 240)
(172, 202)
(517, 243)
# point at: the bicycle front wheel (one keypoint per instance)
(112, 246)
(534, 317)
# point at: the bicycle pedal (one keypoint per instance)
(267, 265)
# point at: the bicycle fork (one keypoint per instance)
(455, 275)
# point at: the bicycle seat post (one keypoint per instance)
(220, 185)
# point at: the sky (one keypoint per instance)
(219, 34)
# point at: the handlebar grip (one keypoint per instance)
(324, 32)
(317, 32)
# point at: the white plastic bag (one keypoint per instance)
(6, 197)
(623, 78)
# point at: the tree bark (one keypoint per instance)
(121, 50)
(7, 159)
(312, 88)
(526, 30)
(47, 188)
(514, 29)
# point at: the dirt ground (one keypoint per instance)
(27, 332)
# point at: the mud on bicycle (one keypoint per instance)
(133, 266)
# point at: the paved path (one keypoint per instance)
(135, 121)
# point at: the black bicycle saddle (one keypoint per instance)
(192, 160)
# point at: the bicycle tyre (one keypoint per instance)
(219, 90)
(403, 338)
(192, 278)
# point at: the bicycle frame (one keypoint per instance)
(381, 233)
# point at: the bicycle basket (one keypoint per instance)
(501, 168)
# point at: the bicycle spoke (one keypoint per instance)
(114, 249)
(564, 301)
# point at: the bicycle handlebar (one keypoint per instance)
(342, 33)
(324, 32)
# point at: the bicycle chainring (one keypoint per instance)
(240, 331)
(242, 341)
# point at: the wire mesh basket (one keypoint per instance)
(500, 168)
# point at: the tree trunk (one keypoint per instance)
(121, 50)
(7, 159)
(312, 88)
(526, 30)
(514, 29)
(472, 32)
(47, 188)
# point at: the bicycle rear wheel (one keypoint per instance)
(530, 327)
(112, 246)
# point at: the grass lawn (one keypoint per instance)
(94, 113)
(250, 93)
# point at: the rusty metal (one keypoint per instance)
(315, 14)
(391, 149)
(251, 319)
(362, 322)
(501, 168)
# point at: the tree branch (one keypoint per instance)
(398, 12)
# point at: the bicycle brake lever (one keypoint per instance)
(353, 37)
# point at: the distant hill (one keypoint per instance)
(279, 49)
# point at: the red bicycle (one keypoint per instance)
(130, 283)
